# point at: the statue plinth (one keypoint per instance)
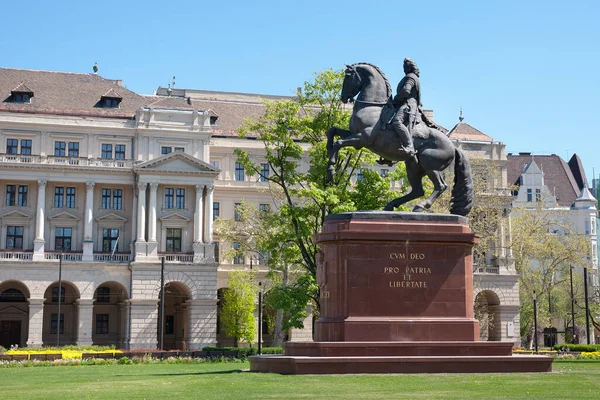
(396, 295)
(396, 277)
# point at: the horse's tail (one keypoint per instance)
(462, 192)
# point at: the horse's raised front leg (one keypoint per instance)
(439, 187)
(332, 151)
(415, 176)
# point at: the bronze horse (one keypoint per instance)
(435, 152)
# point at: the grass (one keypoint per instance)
(571, 380)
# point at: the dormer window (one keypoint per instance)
(108, 102)
(111, 99)
(21, 94)
(213, 120)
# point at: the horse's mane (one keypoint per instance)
(387, 83)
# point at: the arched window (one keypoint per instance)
(12, 295)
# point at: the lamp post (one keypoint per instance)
(59, 298)
(587, 305)
(252, 258)
(161, 320)
(535, 336)
(572, 308)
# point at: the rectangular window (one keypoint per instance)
(117, 199)
(215, 164)
(165, 150)
(101, 324)
(263, 258)
(109, 240)
(384, 172)
(103, 294)
(264, 209)
(359, 175)
(216, 209)
(120, 151)
(55, 294)
(59, 149)
(169, 325)
(11, 195)
(59, 193)
(529, 195)
(22, 200)
(54, 324)
(182, 149)
(169, 197)
(239, 172)
(12, 146)
(173, 240)
(538, 195)
(70, 201)
(236, 212)
(73, 149)
(180, 198)
(25, 146)
(14, 237)
(239, 257)
(105, 198)
(62, 240)
(264, 172)
(107, 151)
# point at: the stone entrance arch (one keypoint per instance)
(176, 318)
(110, 315)
(67, 323)
(14, 314)
(487, 311)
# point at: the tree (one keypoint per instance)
(238, 307)
(292, 132)
(544, 247)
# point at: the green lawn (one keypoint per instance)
(571, 380)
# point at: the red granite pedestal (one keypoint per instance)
(396, 297)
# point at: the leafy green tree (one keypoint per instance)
(544, 247)
(294, 136)
(239, 306)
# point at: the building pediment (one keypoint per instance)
(174, 217)
(177, 162)
(64, 216)
(111, 217)
(14, 215)
(12, 311)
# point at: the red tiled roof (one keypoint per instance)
(558, 176)
(464, 131)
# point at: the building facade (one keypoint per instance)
(98, 184)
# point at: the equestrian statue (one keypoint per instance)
(395, 128)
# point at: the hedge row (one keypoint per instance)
(578, 347)
(243, 352)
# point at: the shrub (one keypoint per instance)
(125, 361)
(578, 347)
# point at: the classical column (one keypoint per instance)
(208, 214)
(85, 308)
(36, 322)
(152, 244)
(39, 242)
(141, 212)
(140, 242)
(88, 243)
(123, 340)
(198, 214)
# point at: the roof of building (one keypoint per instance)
(559, 177)
(464, 131)
(69, 93)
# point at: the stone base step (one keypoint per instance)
(301, 365)
(373, 349)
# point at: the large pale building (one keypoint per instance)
(110, 181)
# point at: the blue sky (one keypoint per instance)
(525, 72)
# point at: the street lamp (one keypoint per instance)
(572, 308)
(535, 336)
(252, 258)
(587, 305)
